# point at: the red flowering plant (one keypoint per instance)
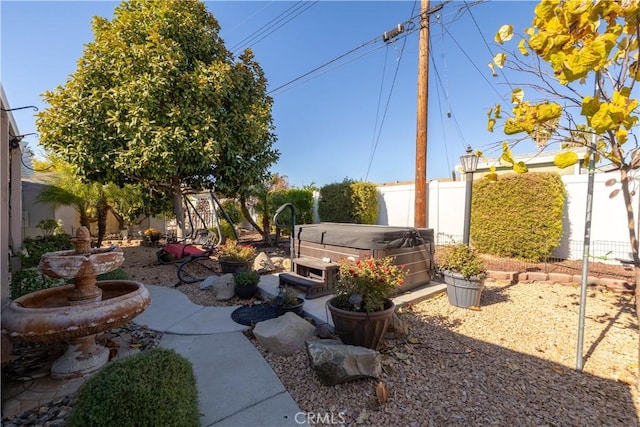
(365, 285)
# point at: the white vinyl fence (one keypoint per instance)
(609, 235)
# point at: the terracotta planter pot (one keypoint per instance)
(361, 328)
(463, 292)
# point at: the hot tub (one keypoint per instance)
(412, 247)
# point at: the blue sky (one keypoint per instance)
(351, 119)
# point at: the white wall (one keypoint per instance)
(446, 214)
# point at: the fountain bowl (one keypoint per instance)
(71, 264)
(45, 316)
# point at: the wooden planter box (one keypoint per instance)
(412, 247)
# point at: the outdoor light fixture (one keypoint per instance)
(469, 162)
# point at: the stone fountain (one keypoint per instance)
(76, 313)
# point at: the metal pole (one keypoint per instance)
(467, 208)
(587, 243)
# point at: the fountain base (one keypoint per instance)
(83, 356)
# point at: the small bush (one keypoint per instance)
(33, 249)
(152, 388)
(30, 280)
(232, 209)
(117, 274)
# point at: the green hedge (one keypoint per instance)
(302, 201)
(349, 202)
(152, 388)
(518, 216)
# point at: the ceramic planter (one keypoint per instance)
(246, 292)
(463, 292)
(361, 328)
(296, 308)
(232, 266)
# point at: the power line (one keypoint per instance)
(485, 41)
(409, 28)
(241, 42)
(287, 21)
(473, 64)
(337, 58)
(274, 24)
(288, 87)
(386, 107)
(408, 24)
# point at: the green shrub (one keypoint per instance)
(335, 202)
(349, 202)
(226, 228)
(302, 201)
(33, 249)
(519, 215)
(232, 209)
(152, 388)
(365, 202)
(30, 280)
(246, 278)
(50, 227)
(462, 259)
(117, 274)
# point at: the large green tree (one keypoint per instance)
(583, 63)
(158, 100)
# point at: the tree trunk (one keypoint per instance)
(247, 216)
(633, 239)
(102, 210)
(178, 210)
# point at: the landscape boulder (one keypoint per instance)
(337, 363)
(285, 334)
(224, 287)
(208, 282)
(263, 264)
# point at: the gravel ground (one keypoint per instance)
(511, 362)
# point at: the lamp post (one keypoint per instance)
(469, 163)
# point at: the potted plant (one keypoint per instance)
(463, 271)
(362, 308)
(234, 256)
(246, 283)
(153, 235)
(287, 300)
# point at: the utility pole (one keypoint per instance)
(421, 205)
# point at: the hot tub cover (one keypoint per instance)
(361, 236)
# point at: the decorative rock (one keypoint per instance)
(277, 261)
(324, 331)
(285, 334)
(224, 287)
(336, 363)
(263, 264)
(208, 282)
